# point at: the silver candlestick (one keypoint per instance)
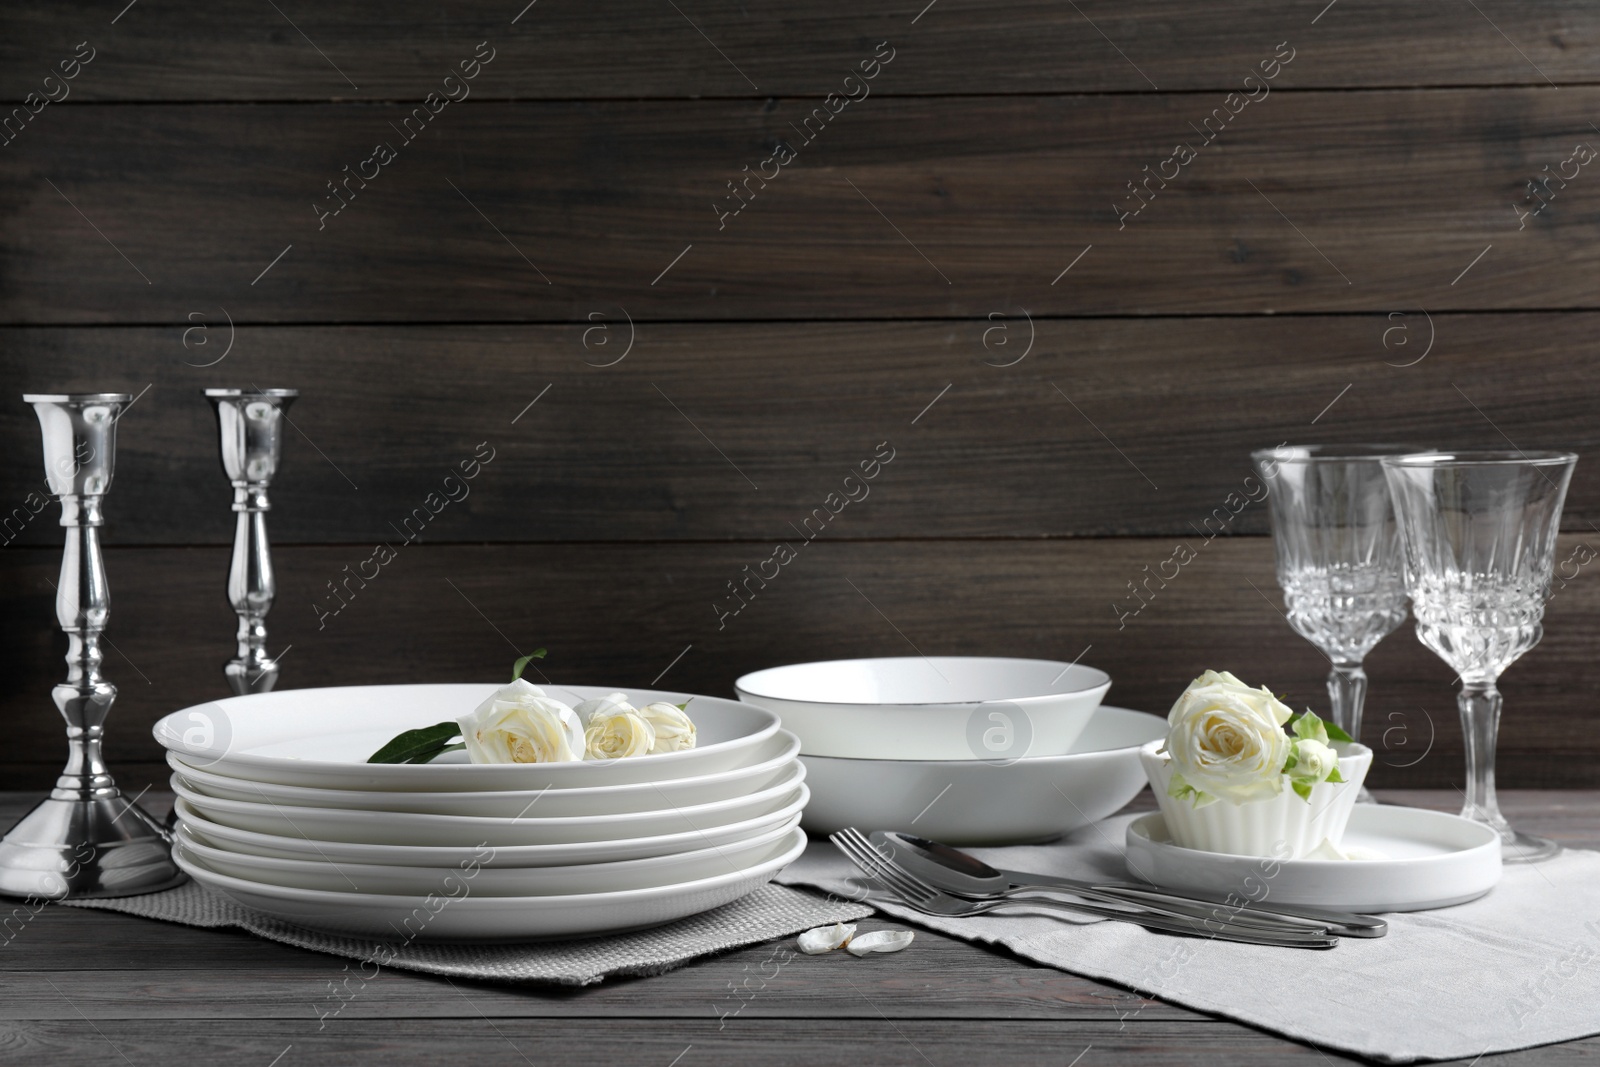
(250, 422)
(84, 839)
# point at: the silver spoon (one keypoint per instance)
(955, 871)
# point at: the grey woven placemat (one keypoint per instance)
(769, 912)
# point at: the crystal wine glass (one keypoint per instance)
(1339, 559)
(1479, 530)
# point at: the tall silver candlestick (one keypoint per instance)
(250, 422)
(84, 839)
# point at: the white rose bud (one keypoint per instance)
(1314, 761)
(675, 731)
(616, 732)
(519, 724)
(1226, 740)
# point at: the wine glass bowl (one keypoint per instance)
(1338, 558)
(1479, 531)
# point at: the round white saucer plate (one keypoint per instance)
(772, 759)
(323, 737)
(407, 828)
(1431, 860)
(489, 881)
(464, 917)
(257, 844)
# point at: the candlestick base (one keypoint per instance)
(77, 848)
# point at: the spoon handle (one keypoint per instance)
(1344, 923)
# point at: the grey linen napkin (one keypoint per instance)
(1517, 968)
(769, 912)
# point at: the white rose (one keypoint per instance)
(588, 708)
(519, 724)
(616, 732)
(1226, 740)
(675, 731)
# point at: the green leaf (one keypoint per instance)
(1291, 762)
(429, 757)
(1302, 790)
(522, 663)
(1308, 727)
(1335, 778)
(1336, 734)
(429, 740)
(685, 705)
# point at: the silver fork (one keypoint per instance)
(925, 898)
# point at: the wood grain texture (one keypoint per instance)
(240, 51)
(736, 431)
(622, 614)
(1373, 201)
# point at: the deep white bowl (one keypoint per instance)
(1283, 827)
(982, 802)
(322, 738)
(930, 708)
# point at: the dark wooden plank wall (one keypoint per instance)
(951, 264)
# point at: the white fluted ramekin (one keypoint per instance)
(1262, 827)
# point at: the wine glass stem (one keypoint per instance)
(1480, 725)
(1347, 692)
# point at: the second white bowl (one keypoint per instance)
(930, 707)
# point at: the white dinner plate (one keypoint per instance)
(490, 881)
(407, 828)
(248, 841)
(772, 760)
(987, 802)
(323, 738)
(465, 917)
(1431, 860)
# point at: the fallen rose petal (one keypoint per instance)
(880, 941)
(826, 938)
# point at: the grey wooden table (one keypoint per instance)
(93, 987)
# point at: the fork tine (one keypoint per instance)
(889, 873)
(888, 859)
(873, 865)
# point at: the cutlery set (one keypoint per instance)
(939, 880)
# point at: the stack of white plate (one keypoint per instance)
(278, 809)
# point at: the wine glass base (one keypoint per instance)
(1526, 848)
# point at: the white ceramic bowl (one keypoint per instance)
(489, 881)
(1281, 827)
(773, 759)
(930, 708)
(400, 919)
(407, 828)
(323, 737)
(258, 844)
(973, 802)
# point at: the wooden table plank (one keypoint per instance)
(79, 982)
(993, 198)
(243, 51)
(608, 453)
